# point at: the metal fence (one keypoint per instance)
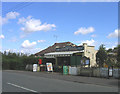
(89, 72)
(95, 72)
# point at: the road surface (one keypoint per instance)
(20, 82)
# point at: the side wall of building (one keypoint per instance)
(90, 52)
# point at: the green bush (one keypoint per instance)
(15, 61)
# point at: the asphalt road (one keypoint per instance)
(20, 82)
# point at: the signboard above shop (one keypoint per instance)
(70, 48)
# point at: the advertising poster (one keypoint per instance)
(34, 67)
(49, 67)
(87, 62)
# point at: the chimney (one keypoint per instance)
(84, 44)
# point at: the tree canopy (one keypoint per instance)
(101, 55)
(111, 57)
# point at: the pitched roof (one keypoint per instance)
(53, 48)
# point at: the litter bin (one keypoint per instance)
(65, 70)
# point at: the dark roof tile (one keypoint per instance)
(53, 47)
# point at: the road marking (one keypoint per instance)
(22, 87)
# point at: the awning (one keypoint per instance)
(65, 53)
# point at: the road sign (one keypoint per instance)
(105, 65)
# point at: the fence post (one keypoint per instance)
(108, 72)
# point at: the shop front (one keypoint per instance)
(68, 58)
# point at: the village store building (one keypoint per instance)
(69, 54)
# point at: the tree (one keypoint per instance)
(109, 50)
(118, 56)
(101, 55)
(111, 60)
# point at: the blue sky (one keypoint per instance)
(35, 26)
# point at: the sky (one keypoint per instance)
(31, 27)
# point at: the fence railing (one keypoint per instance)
(95, 72)
(84, 71)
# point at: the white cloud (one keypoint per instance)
(8, 50)
(89, 42)
(23, 20)
(2, 36)
(41, 41)
(110, 44)
(36, 50)
(111, 47)
(12, 15)
(13, 39)
(114, 34)
(23, 34)
(29, 51)
(33, 25)
(3, 20)
(84, 30)
(9, 15)
(25, 51)
(26, 44)
(93, 35)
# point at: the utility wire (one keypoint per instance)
(25, 5)
(13, 8)
(17, 7)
